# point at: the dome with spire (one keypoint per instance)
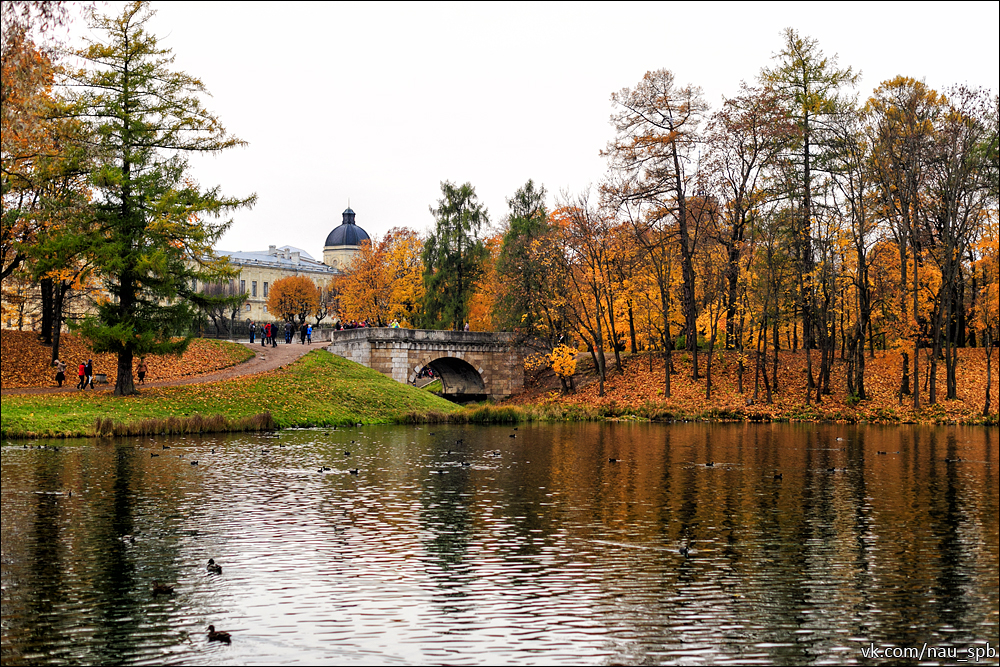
(347, 232)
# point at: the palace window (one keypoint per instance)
(253, 288)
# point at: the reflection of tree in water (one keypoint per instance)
(44, 577)
(445, 513)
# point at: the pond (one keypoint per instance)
(624, 543)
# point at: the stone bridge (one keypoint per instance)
(471, 364)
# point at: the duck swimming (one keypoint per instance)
(213, 567)
(162, 589)
(218, 635)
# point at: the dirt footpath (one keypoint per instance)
(265, 359)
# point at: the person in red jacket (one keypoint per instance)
(81, 371)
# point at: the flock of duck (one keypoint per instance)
(165, 589)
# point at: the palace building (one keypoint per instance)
(259, 270)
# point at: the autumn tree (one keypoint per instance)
(294, 297)
(482, 305)
(855, 204)
(657, 126)
(584, 239)
(383, 281)
(744, 140)
(223, 304)
(153, 229)
(44, 164)
(808, 85)
(988, 311)
(453, 257)
(961, 199)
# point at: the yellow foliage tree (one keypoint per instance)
(483, 300)
(563, 360)
(384, 280)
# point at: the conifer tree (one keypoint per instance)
(453, 256)
(153, 228)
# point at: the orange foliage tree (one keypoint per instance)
(293, 297)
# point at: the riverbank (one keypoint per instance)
(320, 389)
(638, 392)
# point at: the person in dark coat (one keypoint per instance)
(88, 372)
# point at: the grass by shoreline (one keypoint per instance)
(321, 389)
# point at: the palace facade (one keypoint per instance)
(260, 269)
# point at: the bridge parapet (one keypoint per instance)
(470, 363)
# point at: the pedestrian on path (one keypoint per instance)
(141, 370)
(60, 371)
(81, 372)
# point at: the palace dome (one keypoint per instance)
(347, 232)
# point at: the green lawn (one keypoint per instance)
(318, 389)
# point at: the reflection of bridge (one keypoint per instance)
(471, 364)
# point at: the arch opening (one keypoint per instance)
(460, 381)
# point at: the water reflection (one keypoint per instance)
(565, 544)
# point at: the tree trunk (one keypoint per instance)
(631, 328)
(46, 333)
(988, 348)
(125, 384)
(57, 316)
(904, 384)
(916, 321)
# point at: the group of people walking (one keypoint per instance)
(85, 372)
(269, 333)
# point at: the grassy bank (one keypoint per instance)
(318, 389)
(322, 389)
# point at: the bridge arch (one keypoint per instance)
(476, 364)
(460, 380)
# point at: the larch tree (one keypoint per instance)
(658, 129)
(153, 229)
(901, 113)
(453, 256)
(809, 85)
(527, 222)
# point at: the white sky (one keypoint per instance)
(379, 103)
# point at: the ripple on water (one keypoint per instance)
(568, 560)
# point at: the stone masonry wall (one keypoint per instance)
(401, 353)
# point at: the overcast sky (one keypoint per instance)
(376, 104)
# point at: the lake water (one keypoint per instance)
(464, 545)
